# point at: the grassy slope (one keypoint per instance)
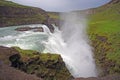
(54, 15)
(45, 65)
(104, 32)
(11, 4)
(10, 12)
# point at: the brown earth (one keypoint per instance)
(9, 73)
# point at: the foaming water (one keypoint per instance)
(26, 39)
(70, 42)
(73, 45)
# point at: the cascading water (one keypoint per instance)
(25, 39)
(72, 43)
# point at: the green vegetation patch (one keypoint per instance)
(54, 15)
(104, 32)
(45, 65)
(11, 4)
(28, 53)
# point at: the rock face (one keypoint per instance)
(21, 15)
(12, 14)
(9, 73)
(46, 66)
(35, 29)
(5, 53)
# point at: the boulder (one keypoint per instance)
(35, 29)
(44, 65)
(5, 53)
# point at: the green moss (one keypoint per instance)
(54, 15)
(21, 15)
(104, 32)
(106, 20)
(48, 56)
(28, 53)
(47, 66)
(11, 4)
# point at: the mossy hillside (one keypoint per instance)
(12, 14)
(25, 54)
(54, 15)
(106, 21)
(45, 65)
(104, 32)
(11, 4)
(54, 18)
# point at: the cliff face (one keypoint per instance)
(18, 16)
(104, 28)
(12, 14)
(104, 31)
(46, 66)
(9, 73)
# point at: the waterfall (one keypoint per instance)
(72, 43)
(46, 29)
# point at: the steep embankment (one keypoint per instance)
(12, 14)
(46, 66)
(104, 33)
(9, 73)
(15, 14)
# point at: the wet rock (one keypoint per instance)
(47, 66)
(23, 29)
(35, 29)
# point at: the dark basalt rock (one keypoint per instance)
(11, 15)
(47, 66)
(35, 29)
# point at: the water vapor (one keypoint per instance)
(78, 48)
(73, 45)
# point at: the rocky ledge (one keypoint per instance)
(9, 73)
(35, 29)
(19, 64)
(46, 66)
(13, 14)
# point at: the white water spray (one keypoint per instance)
(72, 43)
